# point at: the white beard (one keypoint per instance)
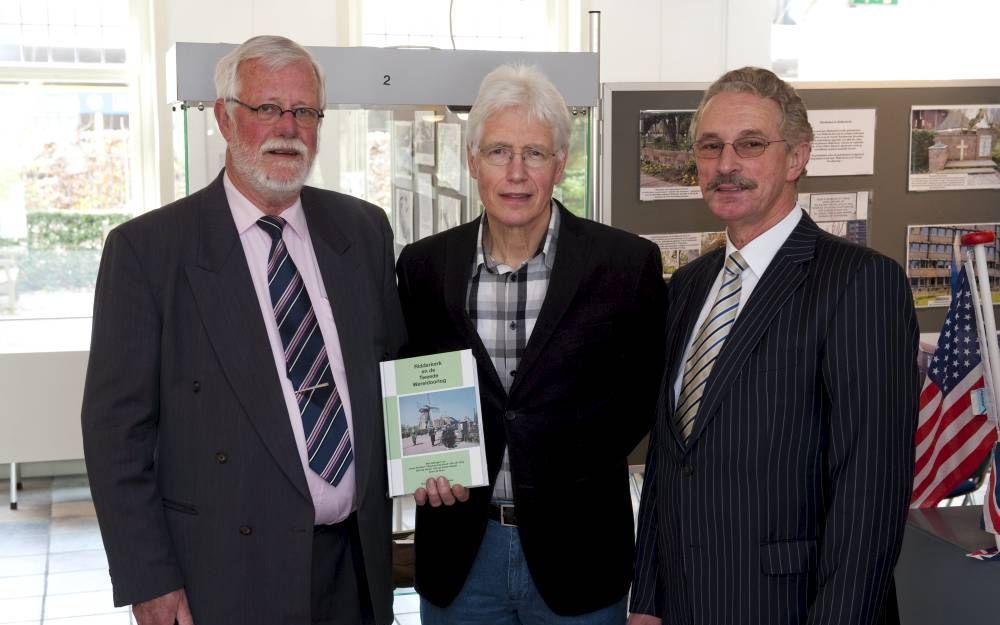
(249, 166)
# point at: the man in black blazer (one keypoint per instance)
(565, 318)
(237, 335)
(780, 465)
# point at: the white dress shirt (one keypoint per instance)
(758, 254)
(332, 503)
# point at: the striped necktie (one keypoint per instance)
(328, 443)
(708, 344)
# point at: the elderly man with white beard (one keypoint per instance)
(231, 417)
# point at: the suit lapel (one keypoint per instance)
(691, 294)
(230, 311)
(340, 267)
(786, 273)
(460, 254)
(567, 273)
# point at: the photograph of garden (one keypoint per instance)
(666, 164)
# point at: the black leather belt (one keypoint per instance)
(504, 514)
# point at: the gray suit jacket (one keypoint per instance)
(193, 467)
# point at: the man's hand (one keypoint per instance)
(164, 610)
(438, 491)
(643, 619)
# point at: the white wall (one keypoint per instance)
(309, 22)
(681, 40)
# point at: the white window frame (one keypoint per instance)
(138, 73)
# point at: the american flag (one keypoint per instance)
(951, 441)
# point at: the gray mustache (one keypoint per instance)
(744, 184)
(294, 145)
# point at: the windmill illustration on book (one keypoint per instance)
(425, 422)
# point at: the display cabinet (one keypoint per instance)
(394, 130)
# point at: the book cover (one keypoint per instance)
(433, 423)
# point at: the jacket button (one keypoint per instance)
(221, 457)
(246, 530)
(510, 415)
(196, 386)
(687, 470)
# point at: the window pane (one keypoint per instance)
(10, 12)
(114, 55)
(60, 193)
(64, 31)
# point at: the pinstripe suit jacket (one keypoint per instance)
(192, 462)
(786, 506)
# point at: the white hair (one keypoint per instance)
(275, 53)
(520, 86)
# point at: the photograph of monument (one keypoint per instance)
(954, 148)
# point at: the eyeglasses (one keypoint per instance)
(747, 147)
(502, 155)
(269, 113)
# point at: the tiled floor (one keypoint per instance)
(53, 570)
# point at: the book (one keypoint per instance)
(433, 421)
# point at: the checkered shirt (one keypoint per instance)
(503, 303)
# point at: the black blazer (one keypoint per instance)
(193, 466)
(787, 504)
(584, 395)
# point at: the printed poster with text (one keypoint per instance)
(433, 421)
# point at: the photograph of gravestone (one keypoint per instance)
(402, 153)
(954, 148)
(934, 254)
(449, 149)
(449, 212)
(403, 205)
(423, 138)
(667, 170)
(438, 421)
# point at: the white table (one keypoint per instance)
(42, 368)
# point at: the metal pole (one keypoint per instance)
(13, 486)
(596, 210)
(981, 312)
(988, 342)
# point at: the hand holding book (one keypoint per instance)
(439, 491)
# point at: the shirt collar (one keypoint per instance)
(761, 251)
(246, 214)
(547, 248)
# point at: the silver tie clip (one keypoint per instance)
(313, 388)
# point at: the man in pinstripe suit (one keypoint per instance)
(780, 465)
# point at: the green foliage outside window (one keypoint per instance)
(63, 249)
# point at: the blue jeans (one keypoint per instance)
(500, 591)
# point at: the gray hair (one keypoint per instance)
(512, 86)
(795, 127)
(275, 53)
